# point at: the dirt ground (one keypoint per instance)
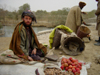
(91, 51)
(88, 55)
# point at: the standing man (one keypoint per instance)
(74, 17)
(24, 42)
(98, 22)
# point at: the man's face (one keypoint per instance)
(27, 20)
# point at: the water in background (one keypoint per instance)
(10, 29)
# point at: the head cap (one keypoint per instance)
(30, 14)
(82, 4)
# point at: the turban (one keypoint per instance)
(30, 14)
(97, 0)
(82, 4)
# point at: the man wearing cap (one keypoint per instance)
(24, 42)
(74, 17)
(98, 22)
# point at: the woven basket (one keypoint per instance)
(57, 37)
(83, 31)
(67, 40)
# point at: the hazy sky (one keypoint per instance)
(48, 5)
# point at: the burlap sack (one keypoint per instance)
(56, 39)
(7, 60)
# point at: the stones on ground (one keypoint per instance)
(86, 40)
(60, 53)
(97, 60)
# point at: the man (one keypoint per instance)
(98, 22)
(24, 42)
(74, 17)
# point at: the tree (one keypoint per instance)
(3, 12)
(41, 12)
(16, 14)
(90, 14)
(24, 7)
(1, 25)
(63, 11)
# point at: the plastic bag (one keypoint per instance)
(21, 69)
(83, 71)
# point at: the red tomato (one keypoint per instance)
(62, 67)
(70, 66)
(65, 64)
(66, 68)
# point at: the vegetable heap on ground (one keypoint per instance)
(71, 65)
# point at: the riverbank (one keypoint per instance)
(4, 43)
(9, 30)
(38, 24)
(2, 32)
(49, 24)
(89, 54)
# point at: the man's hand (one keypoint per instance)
(30, 59)
(34, 51)
(84, 23)
(77, 28)
(83, 12)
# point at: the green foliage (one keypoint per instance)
(24, 8)
(1, 25)
(64, 11)
(54, 17)
(15, 13)
(90, 14)
(58, 17)
(10, 15)
(40, 14)
(3, 14)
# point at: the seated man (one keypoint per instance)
(24, 42)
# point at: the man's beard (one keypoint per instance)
(26, 24)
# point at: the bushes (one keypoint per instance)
(1, 25)
(57, 19)
(53, 18)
